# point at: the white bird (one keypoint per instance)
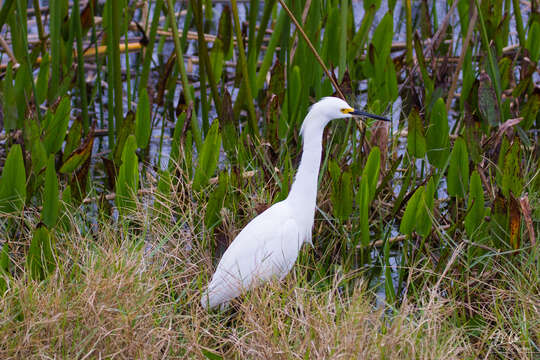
(268, 246)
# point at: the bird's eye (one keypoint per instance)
(347, 110)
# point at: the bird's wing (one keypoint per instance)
(267, 247)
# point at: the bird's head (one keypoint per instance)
(329, 108)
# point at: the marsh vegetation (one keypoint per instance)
(137, 138)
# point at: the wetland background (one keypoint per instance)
(138, 137)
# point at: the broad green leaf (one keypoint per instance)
(458, 170)
(533, 42)
(416, 142)
(208, 157)
(51, 196)
(142, 120)
(8, 100)
(510, 167)
(294, 91)
(363, 204)
(217, 59)
(42, 84)
(437, 140)
(371, 171)
(382, 37)
(424, 209)
(4, 266)
(40, 260)
(212, 215)
(125, 130)
(57, 128)
(475, 206)
(13, 182)
(22, 91)
(127, 183)
(73, 139)
(408, 221)
(79, 156)
(487, 101)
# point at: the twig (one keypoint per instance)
(8, 50)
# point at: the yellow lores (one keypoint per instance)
(268, 246)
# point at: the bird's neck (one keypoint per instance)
(303, 194)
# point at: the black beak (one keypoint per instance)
(363, 113)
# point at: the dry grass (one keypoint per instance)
(120, 294)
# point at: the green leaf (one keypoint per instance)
(208, 157)
(341, 196)
(487, 101)
(210, 355)
(162, 198)
(475, 206)
(125, 130)
(13, 182)
(382, 37)
(371, 171)
(424, 209)
(212, 215)
(73, 139)
(57, 127)
(416, 142)
(127, 183)
(79, 156)
(294, 90)
(408, 221)
(51, 195)
(437, 139)
(42, 84)
(40, 259)
(4, 266)
(512, 179)
(363, 204)
(142, 120)
(458, 170)
(8, 100)
(533, 43)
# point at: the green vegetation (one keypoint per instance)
(138, 138)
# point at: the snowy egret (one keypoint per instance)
(269, 245)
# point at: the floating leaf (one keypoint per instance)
(458, 170)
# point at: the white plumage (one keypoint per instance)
(269, 245)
